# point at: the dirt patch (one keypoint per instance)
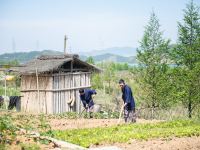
(29, 143)
(185, 143)
(64, 124)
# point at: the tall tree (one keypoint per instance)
(152, 58)
(90, 60)
(187, 55)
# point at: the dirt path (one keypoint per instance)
(63, 124)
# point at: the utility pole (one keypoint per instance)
(65, 42)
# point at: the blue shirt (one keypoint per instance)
(86, 98)
(127, 97)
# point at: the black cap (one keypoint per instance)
(81, 91)
(121, 81)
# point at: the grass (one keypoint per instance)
(123, 133)
(10, 91)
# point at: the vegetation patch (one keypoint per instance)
(126, 132)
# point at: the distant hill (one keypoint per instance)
(114, 58)
(24, 57)
(121, 51)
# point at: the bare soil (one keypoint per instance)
(184, 143)
(63, 124)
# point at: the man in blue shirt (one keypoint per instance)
(129, 103)
(86, 98)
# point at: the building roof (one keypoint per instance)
(49, 63)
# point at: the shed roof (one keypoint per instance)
(49, 63)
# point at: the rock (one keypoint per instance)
(97, 108)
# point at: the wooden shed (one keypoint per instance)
(50, 84)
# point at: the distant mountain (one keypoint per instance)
(114, 58)
(24, 57)
(121, 51)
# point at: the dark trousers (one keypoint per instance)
(129, 115)
(90, 111)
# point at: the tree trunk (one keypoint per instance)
(153, 96)
(190, 106)
(190, 109)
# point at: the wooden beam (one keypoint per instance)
(57, 74)
(64, 74)
(71, 70)
(56, 90)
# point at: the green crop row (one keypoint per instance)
(126, 132)
(74, 115)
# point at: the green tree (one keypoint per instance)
(187, 55)
(90, 60)
(109, 76)
(97, 81)
(152, 59)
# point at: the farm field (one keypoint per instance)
(97, 133)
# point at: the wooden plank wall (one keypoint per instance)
(30, 102)
(69, 85)
(54, 92)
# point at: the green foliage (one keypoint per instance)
(44, 141)
(108, 78)
(7, 64)
(12, 87)
(23, 57)
(152, 72)
(74, 115)
(115, 66)
(7, 130)
(90, 60)
(97, 81)
(152, 46)
(67, 115)
(126, 132)
(187, 57)
(187, 50)
(44, 125)
(10, 91)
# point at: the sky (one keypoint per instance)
(27, 25)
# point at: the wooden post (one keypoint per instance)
(5, 85)
(65, 41)
(71, 68)
(5, 93)
(37, 85)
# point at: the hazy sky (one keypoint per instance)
(27, 25)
